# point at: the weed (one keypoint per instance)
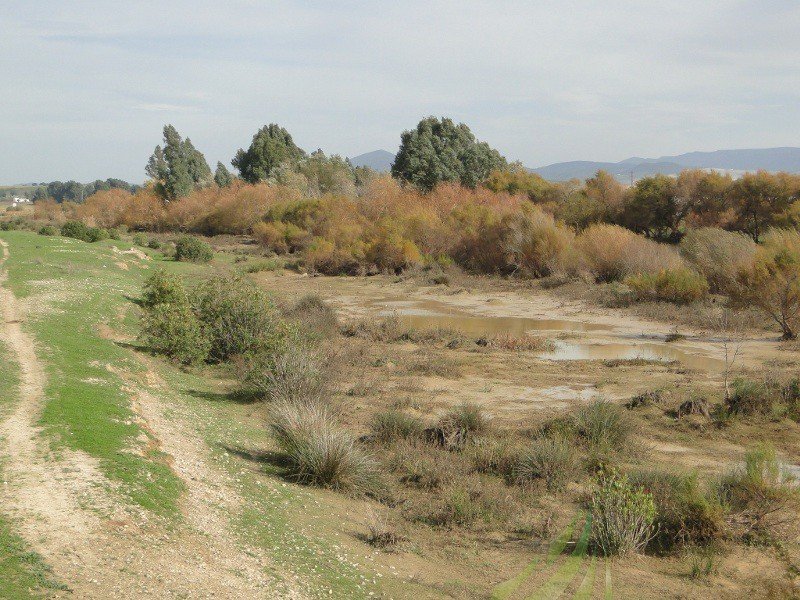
(622, 516)
(553, 461)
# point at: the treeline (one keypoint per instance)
(72, 191)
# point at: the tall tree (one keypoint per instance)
(222, 177)
(179, 168)
(439, 150)
(759, 199)
(272, 146)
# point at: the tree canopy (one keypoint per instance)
(178, 168)
(439, 150)
(272, 147)
(222, 177)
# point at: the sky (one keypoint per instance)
(86, 86)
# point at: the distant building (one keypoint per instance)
(15, 201)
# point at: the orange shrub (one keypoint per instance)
(145, 211)
(49, 210)
(104, 208)
(611, 253)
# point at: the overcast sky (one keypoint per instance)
(88, 85)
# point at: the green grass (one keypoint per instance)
(77, 287)
(23, 574)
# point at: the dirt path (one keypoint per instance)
(66, 510)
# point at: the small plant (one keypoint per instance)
(622, 516)
(48, 230)
(192, 249)
(320, 452)
(392, 425)
(761, 495)
(318, 318)
(154, 244)
(679, 285)
(703, 562)
(140, 239)
(604, 426)
(291, 374)
(467, 417)
(114, 233)
(383, 533)
(552, 460)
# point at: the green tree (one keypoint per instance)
(759, 200)
(439, 150)
(271, 147)
(651, 208)
(178, 168)
(518, 180)
(222, 177)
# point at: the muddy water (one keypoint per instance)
(605, 341)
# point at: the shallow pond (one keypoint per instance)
(607, 344)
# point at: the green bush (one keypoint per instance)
(604, 426)
(163, 288)
(320, 452)
(96, 234)
(192, 249)
(622, 516)
(75, 229)
(114, 233)
(173, 330)
(48, 230)
(154, 244)
(679, 285)
(769, 397)
(140, 239)
(392, 425)
(238, 316)
(552, 460)
(685, 515)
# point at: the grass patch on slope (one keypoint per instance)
(75, 288)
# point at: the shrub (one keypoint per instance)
(679, 286)
(611, 253)
(173, 330)
(76, 230)
(140, 239)
(604, 426)
(772, 282)
(494, 457)
(154, 244)
(163, 288)
(622, 516)
(114, 233)
(192, 249)
(96, 234)
(685, 515)
(317, 317)
(467, 417)
(291, 374)
(48, 230)
(552, 460)
(761, 495)
(718, 254)
(470, 500)
(319, 452)
(382, 532)
(392, 425)
(238, 316)
(538, 244)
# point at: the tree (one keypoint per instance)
(759, 199)
(651, 208)
(271, 147)
(222, 177)
(439, 150)
(179, 168)
(772, 282)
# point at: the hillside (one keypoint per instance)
(770, 159)
(380, 160)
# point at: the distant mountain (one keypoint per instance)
(380, 160)
(769, 159)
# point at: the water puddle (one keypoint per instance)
(609, 344)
